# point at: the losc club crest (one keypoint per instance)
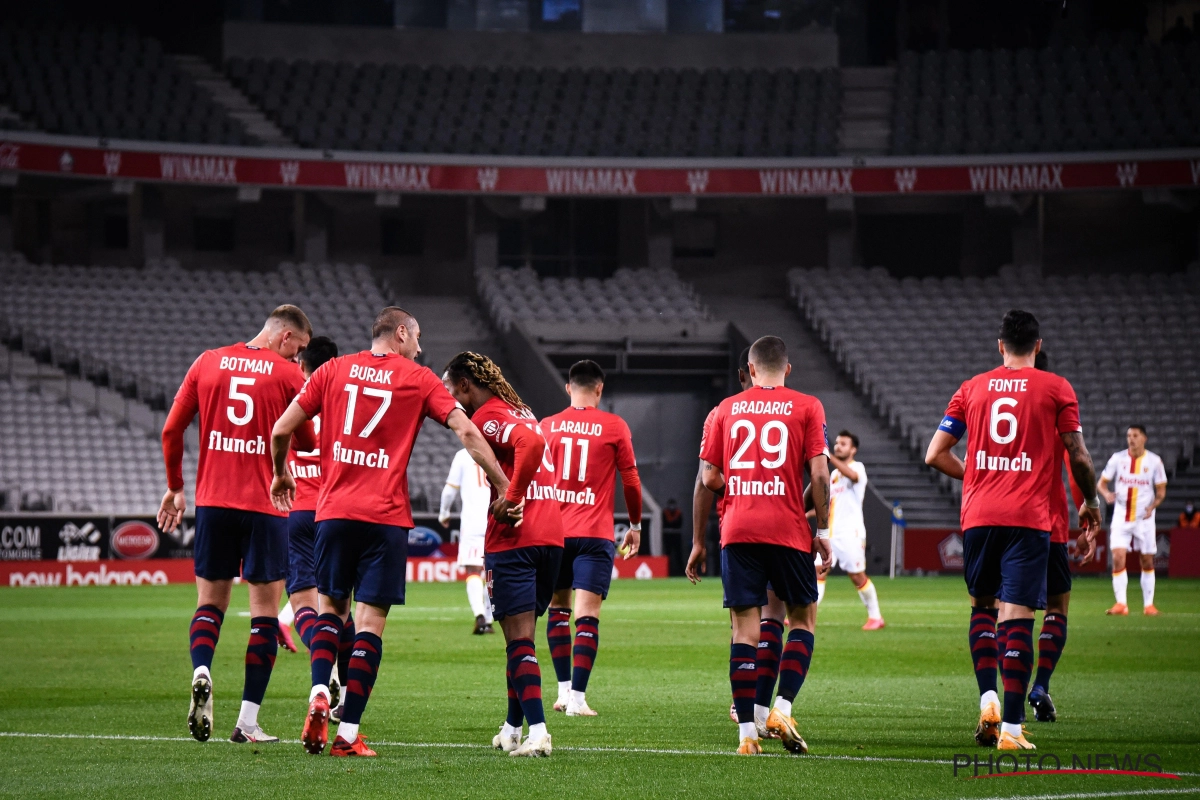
(950, 551)
(491, 427)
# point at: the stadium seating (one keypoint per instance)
(547, 112)
(106, 82)
(1125, 342)
(512, 295)
(1113, 95)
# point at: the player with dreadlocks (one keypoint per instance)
(521, 559)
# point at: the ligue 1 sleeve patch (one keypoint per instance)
(952, 426)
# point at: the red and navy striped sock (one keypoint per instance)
(770, 648)
(345, 647)
(558, 635)
(515, 715)
(323, 648)
(587, 642)
(205, 630)
(360, 675)
(260, 657)
(526, 679)
(793, 664)
(305, 622)
(1016, 664)
(743, 679)
(1050, 646)
(984, 647)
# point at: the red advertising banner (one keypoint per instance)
(941, 550)
(1185, 553)
(221, 166)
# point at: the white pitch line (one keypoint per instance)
(1090, 795)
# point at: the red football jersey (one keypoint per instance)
(762, 439)
(542, 521)
(1059, 505)
(587, 447)
(239, 392)
(1013, 419)
(371, 406)
(708, 421)
(306, 470)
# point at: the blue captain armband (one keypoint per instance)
(954, 427)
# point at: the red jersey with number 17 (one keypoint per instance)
(588, 446)
(239, 392)
(762, 439)
(1014, 420)
(371, 406)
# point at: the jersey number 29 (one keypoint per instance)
(778, 448)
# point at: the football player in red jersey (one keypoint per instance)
(521, 559)
(756, 449)
(588, 447)
(239, 391)
(1017, 419)
(372, 404)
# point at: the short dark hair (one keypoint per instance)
(1041, 361)
(1137, 426)
(388, 320)
(853, 439)
(293, 317)
(769, 353)
(320, 349)
(744, 360)
(1019, 331)
(586, 374)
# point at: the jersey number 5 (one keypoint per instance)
(241, 397)
(385, 398)
(778, 448)
(999, 416)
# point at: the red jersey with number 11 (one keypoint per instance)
(371, 406)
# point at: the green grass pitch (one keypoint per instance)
(102, 675)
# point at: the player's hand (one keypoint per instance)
(170, 511)
(822, 566)
(1085, 546)
(283, 492)
(631, 544)
(507, 512)
(1149, 514)
(444, 521)
(822, 548)
(696, 562)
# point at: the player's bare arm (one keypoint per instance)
(941, 457)
(702, 501)
(174, 503)
(481, 454)
(283, 485)
(1085, 477)
(848, 472)
(818, 476)
(714, 480)
(1109, 496)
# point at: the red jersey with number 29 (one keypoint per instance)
(588, 446)
(1014, 420)
(239, 392)
(762, 439)
(371, 406)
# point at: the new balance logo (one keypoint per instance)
(1012, 653)
(487, 178)
(906, 179)
(697, 180)
(329, 629)
(289, 172)
(112, 163)
(1127, 173)
(584, 635)
(749, 665)
(359, 654)
(529, 659)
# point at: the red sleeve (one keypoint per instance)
(957, 409)
(438, 402)
(630, 480)
(312, 394)
(1068, 409)
(183, 411)
(528, 448)
(815, 436)
(711, 449)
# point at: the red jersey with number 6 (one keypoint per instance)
(371, 406)
(762, 439)
(588, 447)
(239, 392)
(1014, 420)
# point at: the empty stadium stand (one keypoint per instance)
(1117, 94)
(1118, 338)
(547, 112)
(106, 82)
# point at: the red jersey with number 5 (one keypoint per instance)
(239, 392)
(1014, 422)
(371, 406)
(762, 439)
(588, 446)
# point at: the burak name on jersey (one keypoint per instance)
(582, 428)
(739, 486)
(228, 444)
(259, 365)
(371, 374)
(1021, 463)
(346, 455)
(762, 407)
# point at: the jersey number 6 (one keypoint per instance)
(999, 416)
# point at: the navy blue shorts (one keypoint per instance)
(1058, 570)
(230, 542)
(587, 563)
(522, 579)
(302, 544)
(1007, 563)
(747, 569)
(366, 558)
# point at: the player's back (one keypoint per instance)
(239, 392)
(474, 489)
(762, 439)
(587, 448)
(1014, 420)
(372, 406)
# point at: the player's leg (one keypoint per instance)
(1120, 538)
(218, 559)
(766, 658)
(851, 553)
(558, 624)
(1053, 636)
(302, 573)
(470, 560)
(1023, 563)
(592, 578)
(983, 583)
(1148, 548)
(260, 660)
(744, 578)
(794, 578)
(336, 553)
